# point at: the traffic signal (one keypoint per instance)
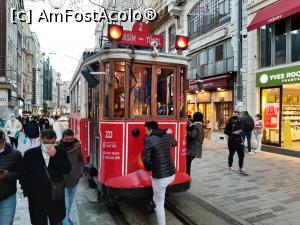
(115, 32)
(181, 42)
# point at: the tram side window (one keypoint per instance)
(182, 108)
(108, 88)
(140, 92)
(119, 88)
(165, 91)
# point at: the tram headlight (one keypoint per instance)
(181, 42)
(115, 32)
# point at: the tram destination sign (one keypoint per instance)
(276, 77)
(140, 36)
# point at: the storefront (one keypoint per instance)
(214, 98)
(280, 106)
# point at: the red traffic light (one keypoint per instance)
(182, 42)
(115, 32)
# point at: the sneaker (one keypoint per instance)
(251, 153)
(231, 168)
(243, 172)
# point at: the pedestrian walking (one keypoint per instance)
(157, 158)
(13, 128)
(235, 142)
(195, 138)
(247, 125)
(10, 171)
(73, 149)
(32, 131)
(258, 131)
(42, 181)
(44, 123)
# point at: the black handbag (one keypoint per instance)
(58, 189)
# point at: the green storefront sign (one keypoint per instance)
(277, 77)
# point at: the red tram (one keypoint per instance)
(110, 106)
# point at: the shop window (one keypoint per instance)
(140, 92)
(270, 105)
(280, 42)
(295, 38)
(223, 113)
(165, 91)
(119, 90)
(172, 37)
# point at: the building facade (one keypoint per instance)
(274, 70)
(213, 28)
(10, 60)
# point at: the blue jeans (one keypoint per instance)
(7, 210)
(248, 136)
(69, 198)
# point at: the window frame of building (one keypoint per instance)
(172, 36)
(288, 44)
(163, 50)
(210, 65)
(200, 12)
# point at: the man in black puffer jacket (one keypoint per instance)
(10, 171)
(247, 125)
(157, 158)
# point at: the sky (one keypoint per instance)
(62, 42)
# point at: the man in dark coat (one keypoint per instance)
(10, 171)
(32, 131)
(235, 142)
(247, 125)
(42, 166)
(157, 158)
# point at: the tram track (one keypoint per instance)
(116, 213)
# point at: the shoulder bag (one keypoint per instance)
(58, 189)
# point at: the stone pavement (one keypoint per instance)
(269, 195)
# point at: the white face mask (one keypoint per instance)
(46, 147)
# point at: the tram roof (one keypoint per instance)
(124, 54)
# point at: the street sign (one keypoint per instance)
(140, 36)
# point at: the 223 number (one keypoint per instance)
(108, 134)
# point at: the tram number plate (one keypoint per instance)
(108, 134)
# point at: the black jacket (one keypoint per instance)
(10, 160)
(157, 154)
(234, 124)
(37, 186)
(247, 123)
(32, 130)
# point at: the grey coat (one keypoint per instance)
(195, 137)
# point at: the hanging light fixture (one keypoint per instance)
(57, 4)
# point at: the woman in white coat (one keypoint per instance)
(13, 128)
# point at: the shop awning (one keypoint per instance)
(274, 12)
(215, 82)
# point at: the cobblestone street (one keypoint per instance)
(270, 195)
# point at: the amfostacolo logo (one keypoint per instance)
(264, 78)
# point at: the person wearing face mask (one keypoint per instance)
(235, 142)
(10, 171)
(73, 149)
(32, 131)
(13, 128)
(258, 131)
(42, 171)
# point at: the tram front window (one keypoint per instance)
(140, 92)
(119, 87)
(165, 91)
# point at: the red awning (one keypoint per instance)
(215, 82)
(274, 12)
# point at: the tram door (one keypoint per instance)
(94, 127)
